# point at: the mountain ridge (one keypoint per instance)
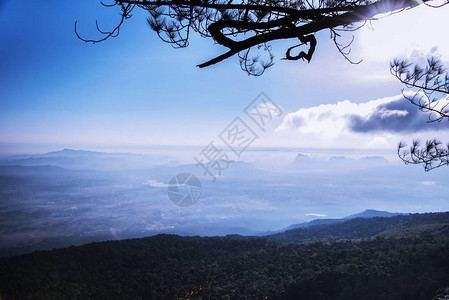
(356, 228)
(368, 213)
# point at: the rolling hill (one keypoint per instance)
(356, 228)
(409, 260)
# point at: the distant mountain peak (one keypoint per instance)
(71, 151)
(299, 156)
(371, 213)
(86, 153)
(302, 159)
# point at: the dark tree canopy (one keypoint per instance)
(430, 86)
(245, 25)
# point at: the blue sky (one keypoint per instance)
(136, 90)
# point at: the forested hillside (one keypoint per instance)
(236, 267)
(358, 228)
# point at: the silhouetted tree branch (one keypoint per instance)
(125, 14)
(431, 95)
(433, 155)
(252, 24)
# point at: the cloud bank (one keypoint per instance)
(395, 116)
(378, 122)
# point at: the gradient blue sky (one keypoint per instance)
(136, 90)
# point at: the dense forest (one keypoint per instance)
(410, 261)
(358, 228)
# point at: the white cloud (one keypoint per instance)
(427, 182)
(330, 119)
(156, 184)
(379, 124)
(316, 215)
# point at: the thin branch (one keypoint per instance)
(126, 14)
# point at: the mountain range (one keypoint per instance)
(86, 160)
